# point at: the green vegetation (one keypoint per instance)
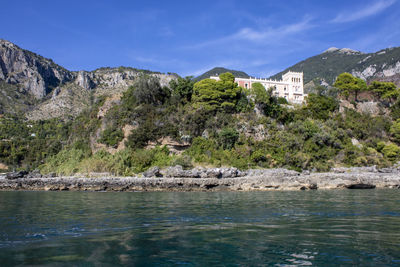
(329, 65)
(350, 85)
(213, 95)
(384, 90)
(111, 137)
(222, 124)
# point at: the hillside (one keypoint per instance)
(38, 87)
(123, 121)
(32, 73)
(219, 70)
(328, 65)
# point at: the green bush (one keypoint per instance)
(320, 107)
(227, 138)
(66, 162)
(391, 151)
(184, 160)
(111, 137)
(395, 131)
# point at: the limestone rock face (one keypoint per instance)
(376, 71)
(85, 80)
(35, 74)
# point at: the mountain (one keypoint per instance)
(326, 66)
(38, 87)
(41, 89)
(219, 70)
(32, 73)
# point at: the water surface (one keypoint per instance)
(320, 228)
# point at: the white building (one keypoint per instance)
(290, 87)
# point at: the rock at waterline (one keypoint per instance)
(16, 175)
(361, 186)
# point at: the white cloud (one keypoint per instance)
(369, 10)
(259, 36)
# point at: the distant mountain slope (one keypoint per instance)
(219, 70)
(328, 65)
(41, 89)
(32, 73)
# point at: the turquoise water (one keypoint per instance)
(319, 228)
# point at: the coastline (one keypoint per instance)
(258, 180)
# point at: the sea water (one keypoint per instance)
(319, 228)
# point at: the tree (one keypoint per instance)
(182, 88)
(265, 100)
(260, 93)
(227, 138)
(384, 90)
(348, 84)
(395, 130)
(320, 106)
(111, 137)
(213, 95)
(147, 90)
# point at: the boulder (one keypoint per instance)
(153, 172)
(34, 174)
(16, 175)
(178, 172)
(213, 173)
(360, 186)
(50, 175)
(387, 170)
(229, 172)
(173, 171)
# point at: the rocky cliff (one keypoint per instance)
(325, 67)
(42, 89)
(34, 74)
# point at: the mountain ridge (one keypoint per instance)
(325, 67)
(219, 70)
(41, 89)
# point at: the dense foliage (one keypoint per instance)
(210, 123)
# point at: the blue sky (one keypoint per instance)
(191, 37)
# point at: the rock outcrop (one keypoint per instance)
(254, 180)
(35, 74)
(368, 66)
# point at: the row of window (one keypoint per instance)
(296, 80)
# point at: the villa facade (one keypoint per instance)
(290, 87)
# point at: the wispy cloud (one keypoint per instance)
(259, 36)
(370, 10)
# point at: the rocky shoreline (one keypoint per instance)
(211, 179)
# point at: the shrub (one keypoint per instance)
(142, 135)
(227, 138)
(282, 101)
(182, 88)
(258, 156)
(147, 90)
(66, 162)
(395, 131)
(185, 161)
(391, 151)
(111, 137)
(320, 107)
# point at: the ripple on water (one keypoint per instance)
(325, 228)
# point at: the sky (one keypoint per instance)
(260, 37)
